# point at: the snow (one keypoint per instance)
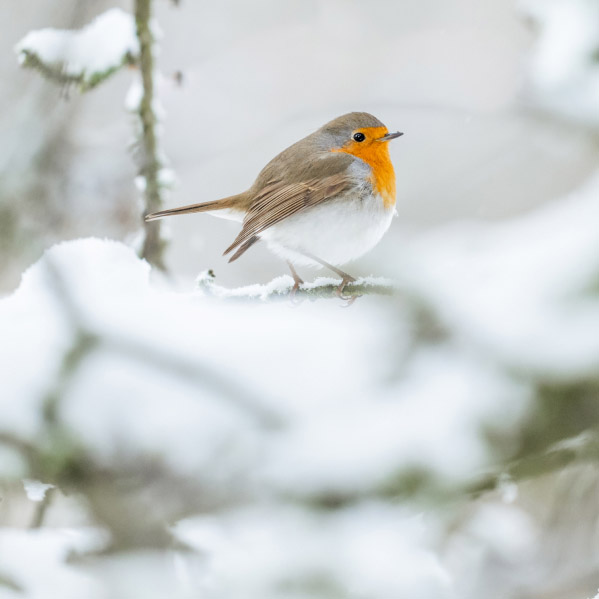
(508, 489)
(252, 414)
(336, 433)
(35, 489)
(134, 95)
(98, 48)
(376, 438)
(377, 551)
(520, 291)
(564, 72)
(281, 442)
(234, 395)
(36, 560)
(278, 287)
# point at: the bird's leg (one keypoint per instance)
(345, 278)
(297, 280)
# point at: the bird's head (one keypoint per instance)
(356, 133)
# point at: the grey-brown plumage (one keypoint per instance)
(280, 199)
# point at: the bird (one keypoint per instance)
(324, 201)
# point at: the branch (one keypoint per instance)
(154, 244)
(8, 583)
(86, 58)
(580, 449)
(280, 288)
(27, 449)
(83, 57)
(41, 509)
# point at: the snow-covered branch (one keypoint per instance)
(583, 448)
(239, 420)
(281, 288)
(86, 57)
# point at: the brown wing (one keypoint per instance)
(278, 200)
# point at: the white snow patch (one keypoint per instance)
(375, 437)
(36, 561)
(140, 183)
(35, 489)
(564, 71)
(134, 95)
(98, 47)
(369, 550)
(523, 291)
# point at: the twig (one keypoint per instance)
(27, 449)
(154, 244)
(280, 288)
(41, 509)
(9, 583)
(579, 449)
(55, 73)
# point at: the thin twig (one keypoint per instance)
(27, 449)
(580, 449)
(41, 509)
(280, 289)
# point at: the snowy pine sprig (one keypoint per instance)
(84, 57)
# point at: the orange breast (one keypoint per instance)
(376, 155)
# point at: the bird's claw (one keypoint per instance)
(295, 301)
(350, 299)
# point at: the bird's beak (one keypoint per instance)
(390, 136)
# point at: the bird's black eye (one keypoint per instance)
(359, 137)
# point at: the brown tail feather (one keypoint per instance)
(230, 202)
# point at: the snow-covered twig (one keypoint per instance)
(89, 56)
(576, 450)
(280, 288)
(86, 57)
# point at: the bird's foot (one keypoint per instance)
(297, 281)
(344, 281)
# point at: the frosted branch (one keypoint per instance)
(280, 288)
(583, 448)
(85, 57)
(89, 56)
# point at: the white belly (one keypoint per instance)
(336, 231)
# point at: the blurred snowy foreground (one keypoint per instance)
(219, 448)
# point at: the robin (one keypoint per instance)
(325, 200)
